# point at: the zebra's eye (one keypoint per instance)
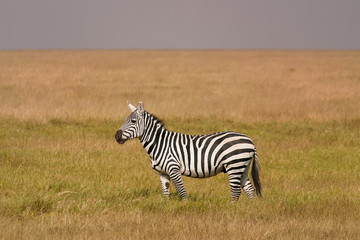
(133, 120)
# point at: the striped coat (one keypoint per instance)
(175, 154)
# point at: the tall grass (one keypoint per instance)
(71, 179)
(62, 174)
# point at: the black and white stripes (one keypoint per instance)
(174, 154)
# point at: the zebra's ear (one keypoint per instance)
(141, 108)
(131, 107)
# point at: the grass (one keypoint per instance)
(62, 174)
(71, 178)
(238, 85)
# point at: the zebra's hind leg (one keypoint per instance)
(237, 171)
(165, 184)
(246, 184)
(235, 186)
(248, 189)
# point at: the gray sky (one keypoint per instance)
(184, 24)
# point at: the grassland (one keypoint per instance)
(62, 175)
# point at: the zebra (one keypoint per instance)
(173, 154)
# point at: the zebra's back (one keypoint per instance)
(207, 155)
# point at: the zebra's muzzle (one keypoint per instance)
(118, 137)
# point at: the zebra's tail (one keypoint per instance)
(255, 174)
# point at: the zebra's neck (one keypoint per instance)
(153, 128)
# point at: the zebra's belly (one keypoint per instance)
(203, 174)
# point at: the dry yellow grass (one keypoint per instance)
(62, 175)
(239, 85)
(71, 180)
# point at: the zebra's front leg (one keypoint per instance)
(165, 184)
(178, 182)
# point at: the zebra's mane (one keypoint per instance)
(159, 121)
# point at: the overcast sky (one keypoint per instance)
(181, 24)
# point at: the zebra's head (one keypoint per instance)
(133, 126)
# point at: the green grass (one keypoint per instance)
(70, 179)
